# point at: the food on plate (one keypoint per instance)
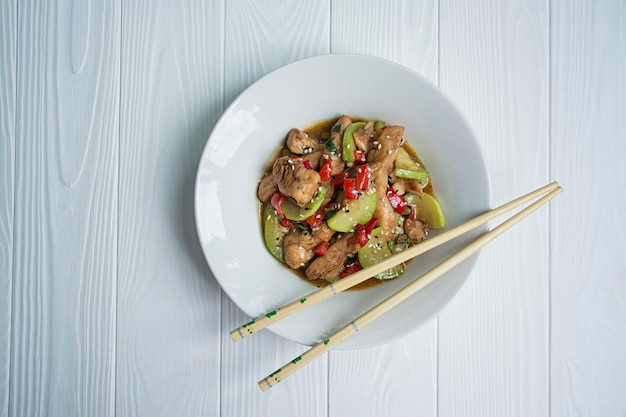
(343, 195)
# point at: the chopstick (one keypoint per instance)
(335, 288)
(395, 299)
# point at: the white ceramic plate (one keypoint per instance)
(298, 95)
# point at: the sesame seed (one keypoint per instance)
(389, 152)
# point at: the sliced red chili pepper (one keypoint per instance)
(397, 202)
(285, 222)
(316, 219)
(362, 237)
(276, 200)
(365, 232)
(321, 249)
(326, 171)
(338, 179)
(349, 188)
(305, 162)
(359, 157)
(363, 176)
(369, 226)
(413, 214)
(350, 268)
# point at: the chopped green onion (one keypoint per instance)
(335, 129)
(330, 145)
(410, 174)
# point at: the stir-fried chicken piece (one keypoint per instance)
(298, 244)
(300, 143)
(381, 158)
(416, 230)
(385, 148)
(267, 187)
(330, 191)
(364, 136)
(329, 265)
(295, 180)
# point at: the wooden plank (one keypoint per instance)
(588, 249)
(261, 37)
(493, 351)
(405, 32)
(398, 378)
(66, 149)
(8, 60)
(253, 358)
(168, 302)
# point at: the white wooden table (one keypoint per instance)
(107, 307)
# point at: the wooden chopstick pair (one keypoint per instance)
(546, 193)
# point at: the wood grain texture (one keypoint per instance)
(62, 349)
(8, 61)
(364, 382)
(493, 350)
(262, 37)
(107, 306)
(399, 31)
(259, 38)
(247, 361)
(168, 344)
(588, 250)
(395, 379)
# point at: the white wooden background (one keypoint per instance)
(107, 307)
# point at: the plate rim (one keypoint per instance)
(289, 66)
